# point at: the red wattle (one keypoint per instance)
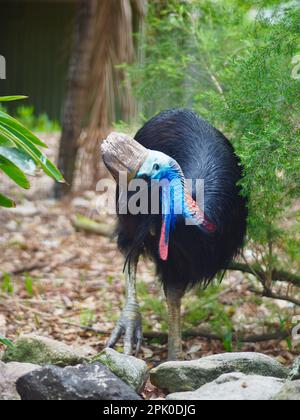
(163, 244)
(199, 215)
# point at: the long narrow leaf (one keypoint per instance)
(6, 202)
(12, 98)
(20, 159)
(5, 141)
(14, 173)
(29, 148)
(6, 342)
(13, 123)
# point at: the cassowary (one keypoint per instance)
(181, 147)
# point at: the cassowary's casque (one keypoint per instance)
(182, 146)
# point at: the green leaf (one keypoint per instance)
(6, 202)
(6, 342)
(7, 284)
(29, 284)
(6, 142)
(28, 147)
(14, 173)
(13, 123)
(21, 159)
(12, 98)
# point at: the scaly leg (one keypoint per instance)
(130, 322)
(175, 337)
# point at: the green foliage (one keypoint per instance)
(20, 153)
(87, 317)
(28, 283)
(151, 304)
(232, 62)
(205, 307)
(26, 116)
(40, 124)
(7, 284)
(6, 342)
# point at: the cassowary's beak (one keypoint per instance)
(122, 153)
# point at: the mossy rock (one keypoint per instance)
(43, 351)
(290, 392)
(191, 375)
(295, 372)
(131, 370)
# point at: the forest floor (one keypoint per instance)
(68, 285)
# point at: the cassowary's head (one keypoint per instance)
(158, 166)
(161, 167)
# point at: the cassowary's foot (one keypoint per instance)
(175, 351)
(130, 324)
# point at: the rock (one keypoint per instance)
(131, 370)
(92, 382)
(234, 387)
(189, 376)
(9, 374)
(27, 209)
(295, 372)
(42, 351)
(81, 202)
(290, 392)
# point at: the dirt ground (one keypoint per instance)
(68, 285)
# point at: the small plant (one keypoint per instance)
(87, 318)
(6, 342)
(20, 153)
(7, 285)
(28, 283)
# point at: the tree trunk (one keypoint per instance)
(116, 22)
(102, 40)
(77, 92)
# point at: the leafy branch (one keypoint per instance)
(20, 153)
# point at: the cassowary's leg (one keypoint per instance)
(130, 322)
(174, 309)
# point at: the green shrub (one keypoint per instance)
(40, 124)
(232, 62)
(37, 123)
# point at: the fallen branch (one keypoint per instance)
(150, 335)
(211, 336)
(39, 266)
(269, 294)
(9, 306)
(280, 276)
(82, 223)
(26, 269)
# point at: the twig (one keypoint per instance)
(254, 272)
(82, 223)
(150, 335)
(9, 307)
(39, 266)
(230, 289)
(269, 294)
(280, 276)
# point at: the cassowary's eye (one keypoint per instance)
(156, 167)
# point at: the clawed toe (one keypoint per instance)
(131, 327)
